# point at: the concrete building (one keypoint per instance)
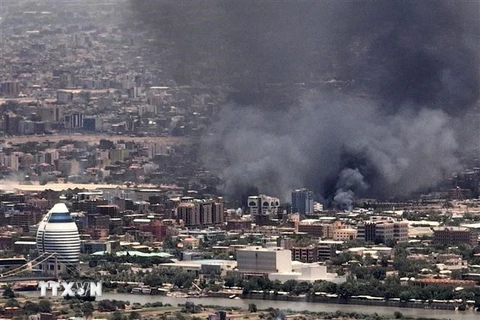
(24, 247)
(276, 263)
(50, 113)
(344, 234)
(309, 272)
(263, 207)
(305, 254)
(258, 260)
(90, 246)
(382, 230)
(454, 235)
(189, 214)
(10, 88)
(327, 249)
(11, 123)
(302, 201)
(313, 228)
(202, 267)
(200, 213)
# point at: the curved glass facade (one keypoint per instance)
(58, 233)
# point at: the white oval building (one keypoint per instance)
(58, 233)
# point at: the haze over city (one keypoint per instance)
(200, 159)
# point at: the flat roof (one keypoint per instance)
(471, 225)
(199, 263)
(136, 253)
(26, 242)
(254, 248)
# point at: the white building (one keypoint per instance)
(309, 272)
(277, 264)
(58, 233)
(263, 205)
(264, 260)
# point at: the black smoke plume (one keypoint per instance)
(368, 97)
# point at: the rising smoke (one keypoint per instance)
(365, 98)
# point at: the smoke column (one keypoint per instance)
(371, 98)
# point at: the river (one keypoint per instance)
(292, 305)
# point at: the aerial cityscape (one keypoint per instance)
(245, 159)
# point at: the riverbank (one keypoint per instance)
(298, 306)
(435, 305)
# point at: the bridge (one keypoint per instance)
(18, 274)
(27, 279)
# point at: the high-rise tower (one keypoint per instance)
(302, 201)
(58, 233)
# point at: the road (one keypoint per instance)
(94, 138)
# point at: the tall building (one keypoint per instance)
(74, 121)
(258, 260)
(302, 201)
(189, 214)
(200, 213)
(50, 113)
(218, 217)
(10, 88)
(262, 207)
(58, 233)
(11, 123)
(380, 231)
(206, 213)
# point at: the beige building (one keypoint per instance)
(381, 230)
(344, 234)
(188, 214)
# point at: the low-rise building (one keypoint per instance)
(327, 249)
(379, 231)
(305, 254)
(344, 234)
(454, 235)
(309, 272)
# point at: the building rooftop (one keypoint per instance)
(136, 253)
(253, 248)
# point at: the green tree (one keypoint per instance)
(134, 315)
(347, 289)
(324, 286)
(45, 306)
(183, 279)
(229, 281)
(87, 309)
(30, 307)
(276, 314)
(169, 243)
(289, 285)
(8, 293)
(406, 295)
(117, 315)
(301, 287)
(189, 307)
(252, 307)
(12, 303)
(106, 306)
